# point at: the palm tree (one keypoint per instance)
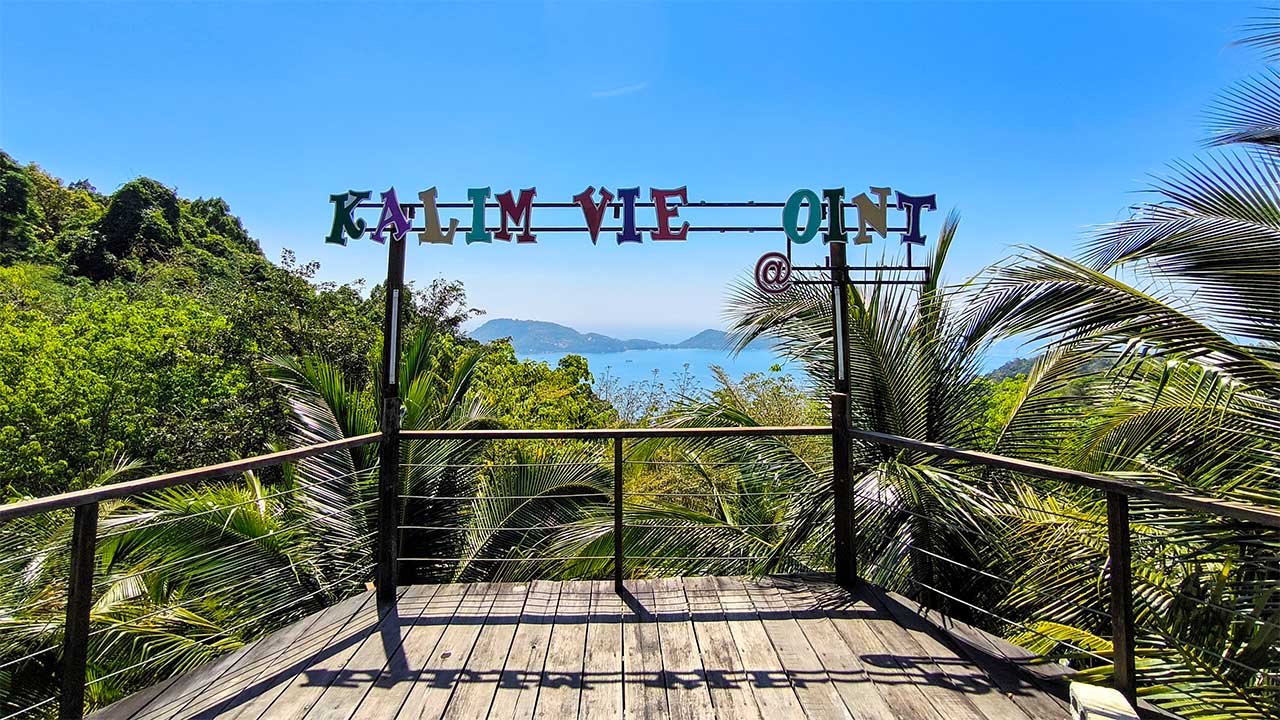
(762, 504)
(1171, 319)
(189, 573)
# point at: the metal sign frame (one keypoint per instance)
(773, 274)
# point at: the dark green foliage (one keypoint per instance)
(212, 219)
(158, 379)
(18, 211)
(532, 394)
(140, 226)
(1013, 368)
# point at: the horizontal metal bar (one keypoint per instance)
(228, 630)
(907, 511)
(185, 602)
(862, 282)
(135, 525)
(481, 528)
(28, 656)
(988, 613)
(224, 548)
(701, 463)
(608, 229)
(29, 708)
(700, 558)
(738, 204)
(613, 433)
(704, 526)
(484, 498)
(1005, 580)
(584, 463)
(775, 493)
(566, 558)
(1212, 506)
(857, 268)
(182, 477)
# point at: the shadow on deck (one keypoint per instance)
(774, 647)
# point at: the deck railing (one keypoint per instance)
(1255, 524)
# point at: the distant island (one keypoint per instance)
(537, 336)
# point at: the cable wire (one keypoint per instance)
(223, 632)
(163, 566)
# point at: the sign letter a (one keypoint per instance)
(392, 217)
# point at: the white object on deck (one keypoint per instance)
(1090, 702)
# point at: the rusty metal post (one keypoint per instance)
(75, 648)
(846, 561)
(389, 444)
(1120, 562)
(619, 560)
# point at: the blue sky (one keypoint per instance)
(1034, 120)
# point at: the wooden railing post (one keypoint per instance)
(619, 560)
(1120, 562)
(75, 643)
(388, 552)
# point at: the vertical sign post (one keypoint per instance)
(841, 480)
(389, 446)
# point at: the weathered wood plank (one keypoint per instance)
(517, 693)
(258, 683)
(429, 696)
(895, 682)
(964, 674)
(339, 700)
(687, 694)
(642, 693)
(843, 667)
(727, 681)
(132, 705)
(178, 693)
(602, 659)
(561, 684)
(983, 651)
(473, 694)
(392, 686)
(808, 677)
(769, 680)
(306, 687)
(701, 647)
(946, 696)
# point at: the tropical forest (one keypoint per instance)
(144, 332)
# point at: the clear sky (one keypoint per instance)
(1034, 120)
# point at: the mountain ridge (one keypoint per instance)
(541, 336)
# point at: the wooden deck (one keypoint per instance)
(768, 648)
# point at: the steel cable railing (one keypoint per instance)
(1191, 583)
(716, 501)
(207, 549)
(631, 517)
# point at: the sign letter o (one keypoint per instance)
(791, 216)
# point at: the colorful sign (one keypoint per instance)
(803, 216)
(512, 212)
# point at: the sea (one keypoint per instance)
(668, 365)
